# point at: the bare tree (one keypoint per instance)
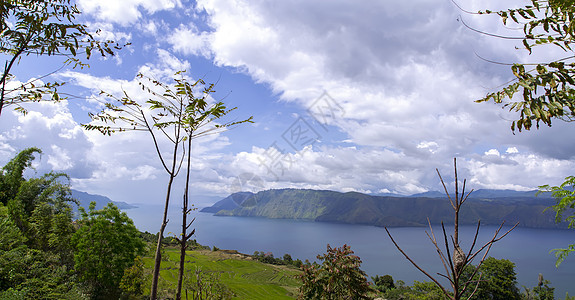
(453, 258)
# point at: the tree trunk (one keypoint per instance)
(182, 265)
(158, 256)
(185, 210)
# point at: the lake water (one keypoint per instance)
(527, 248)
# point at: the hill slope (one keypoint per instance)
(358, 208)
(246, 278)
(101, 201)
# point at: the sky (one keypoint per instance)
(370, 97)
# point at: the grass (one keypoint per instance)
(245, 277)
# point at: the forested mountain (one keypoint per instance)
(84, 199)
(489, 206)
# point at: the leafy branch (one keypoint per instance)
(547, 90)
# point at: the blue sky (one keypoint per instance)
(370, 98)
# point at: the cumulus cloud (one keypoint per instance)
(404, 74)
(128, 166)
(125, 12)
(187, 40)
(385, 92)
(50, 127)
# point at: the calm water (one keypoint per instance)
(527, 248)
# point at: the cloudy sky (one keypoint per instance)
(348, 97)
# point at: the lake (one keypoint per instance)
(527, 248)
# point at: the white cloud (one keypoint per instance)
(128, 166)
(187, 40)
(124, 12)
(403, 76)
(59, 160)
(512, 150)
(492, 152)
(50, 127)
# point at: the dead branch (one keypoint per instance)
(455, 263)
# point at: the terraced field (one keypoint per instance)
(245, 278)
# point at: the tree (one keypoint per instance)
(564, 195)
(547, 88)
(12, 174)
(39, 207)
(338, 277)
(497, 280)
(36, 227)
(542, 291)
(197, 115)
(106, 243)
(383, 283)
(132, 283)
(42, 27)
(176, 114)
(454, 259)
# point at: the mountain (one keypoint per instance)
(489, 194)
(231, 202)
(490, 207)
(429, 194)
(101, 201)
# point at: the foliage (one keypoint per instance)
(172, 106)
(132, 283)
(497, 279)
(35, 231)
(547, 88)
(543, 290)
(12, 247)
(41, 210)
(383, 283)
(565, 203)
(425, 290)
(106, 243)
(12, 174)
(268, 258)
(338, 277)
(42, 27)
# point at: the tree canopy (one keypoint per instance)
(338, 277)
(35, 231)
(496, 279)
(105, 245)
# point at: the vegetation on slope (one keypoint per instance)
(358, 208)
(242, 276)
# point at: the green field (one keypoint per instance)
(244, 277)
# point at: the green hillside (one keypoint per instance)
(244, 277)
(358, 208)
